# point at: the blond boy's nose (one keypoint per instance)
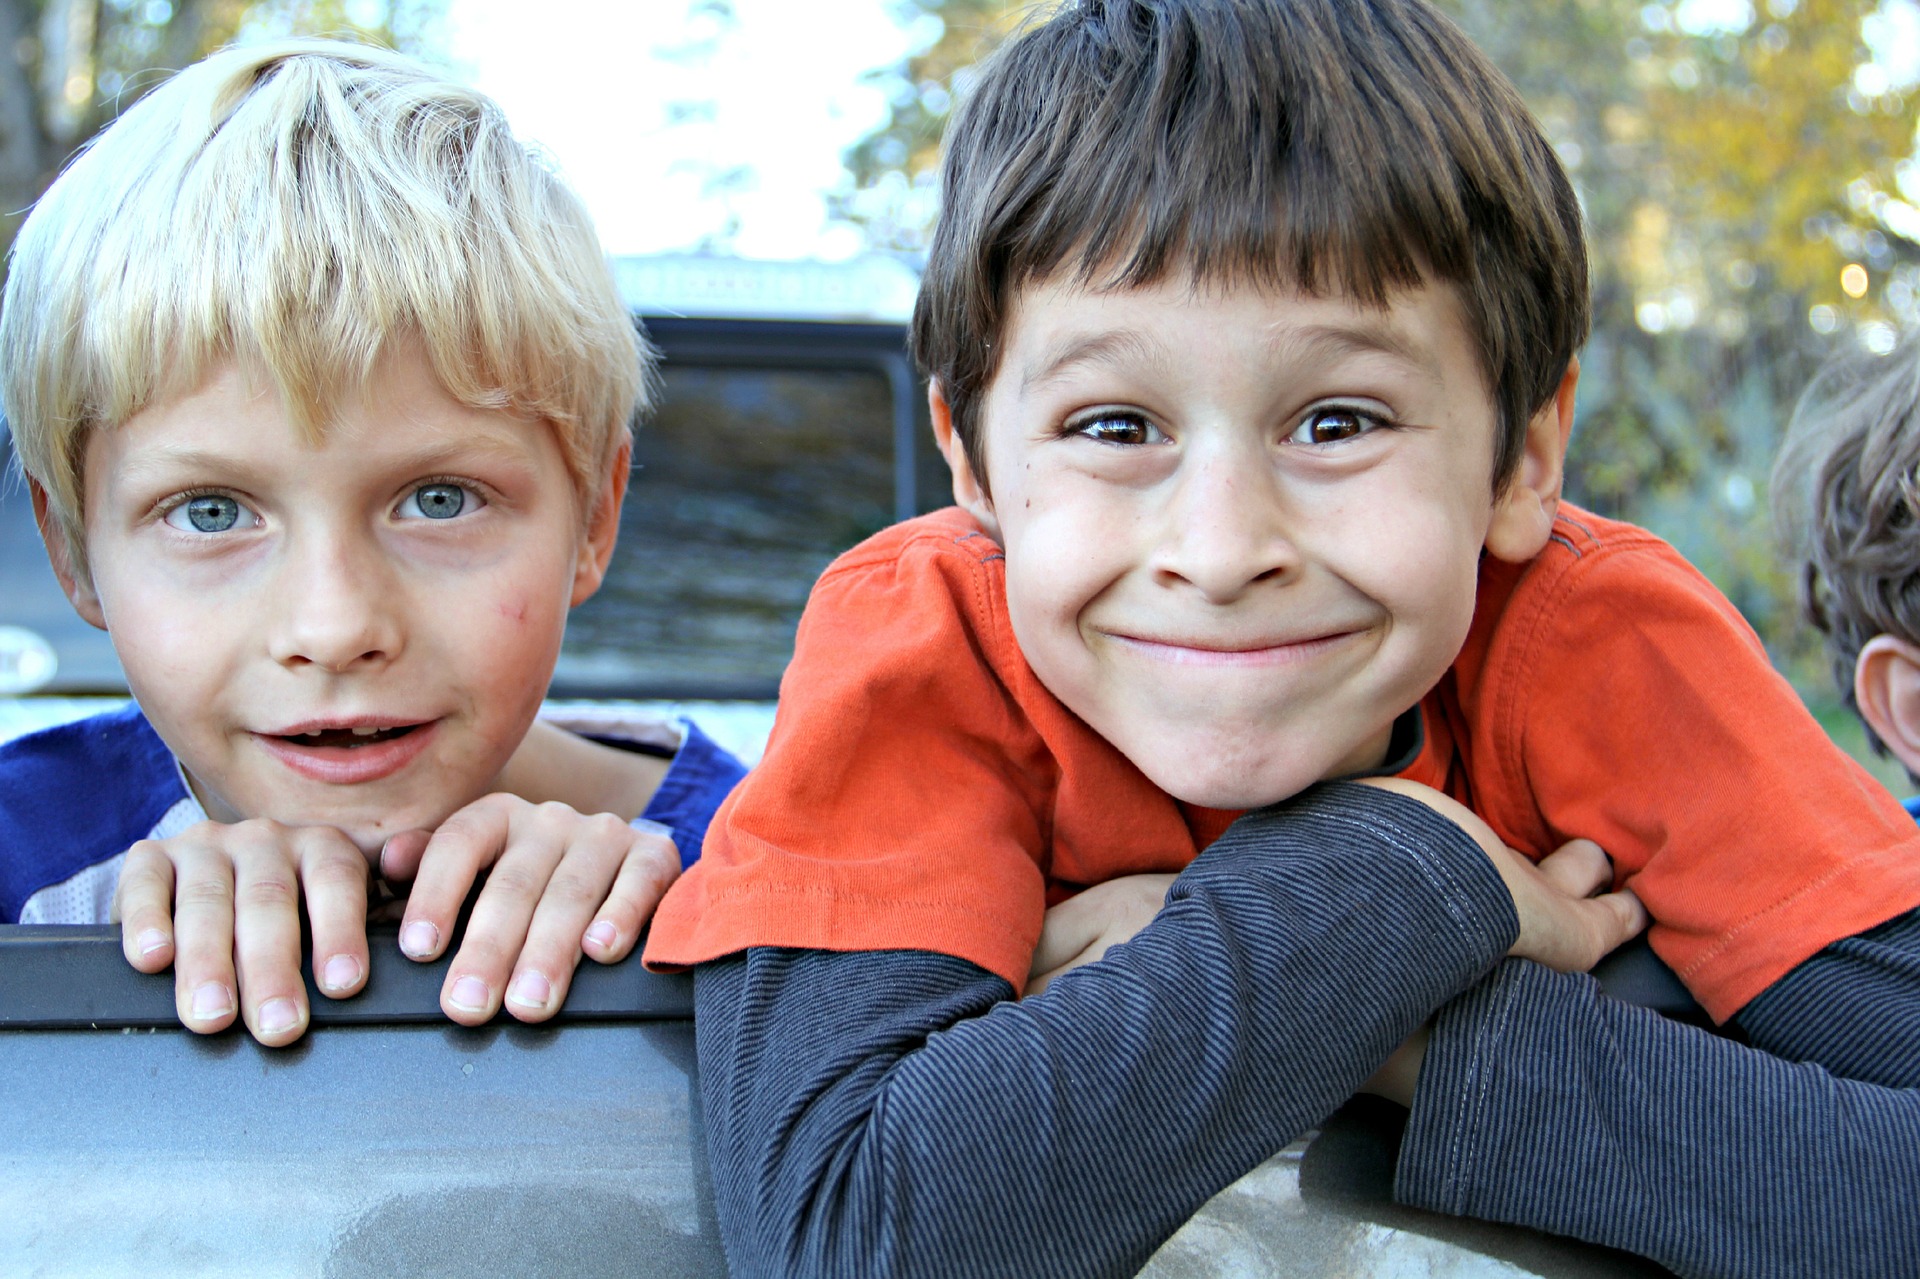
(338, 614)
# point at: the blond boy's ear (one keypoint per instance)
(969, 494)
(1886, 687)
(1523, 515)
(77, 585)
(603, 527)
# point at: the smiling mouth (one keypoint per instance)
(1216, 653)
(347, 738)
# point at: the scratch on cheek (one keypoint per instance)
(516, 612)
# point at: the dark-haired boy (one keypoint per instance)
(1250, 328)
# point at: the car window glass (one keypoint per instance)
(747, 482)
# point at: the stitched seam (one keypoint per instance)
(1463, 1148)
(1728, 939)
(1431, 869)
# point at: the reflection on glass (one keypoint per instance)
(747, 482)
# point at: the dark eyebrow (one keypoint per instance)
(1323, 344)
(1119, 348)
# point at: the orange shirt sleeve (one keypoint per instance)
(1625, 700)
(904, 799)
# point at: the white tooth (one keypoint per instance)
(365, 732)
(312, 732)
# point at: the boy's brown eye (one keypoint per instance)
(1119, 428)
(1330, 426)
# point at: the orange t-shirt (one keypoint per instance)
(922, 791)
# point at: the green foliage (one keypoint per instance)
(76, 64)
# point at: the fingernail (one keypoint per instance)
(470, 995)
(531, 989)
(277, 1015)
(419, 938)
(651, 827)
(210, 1000)
(151, 940)
(604, 935)
(340, 973)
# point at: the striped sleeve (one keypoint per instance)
(1853, 1008)
(1544, 1104)
(897, 1113)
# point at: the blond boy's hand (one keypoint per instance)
(562, 884)
(221, 903)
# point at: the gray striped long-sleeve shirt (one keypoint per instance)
(1545, 1104)
(899, 1113)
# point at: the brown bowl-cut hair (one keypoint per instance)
(1353, 147)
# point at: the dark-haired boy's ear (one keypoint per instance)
(1523, 515)
(603, 527)
(969, 494)
(77, 585)
(1886, 687)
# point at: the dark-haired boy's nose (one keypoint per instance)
(1222, 530)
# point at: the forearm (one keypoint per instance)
(899, 1113)
(1854, 1008)
(1544, 1104)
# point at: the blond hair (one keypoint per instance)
(301, 207)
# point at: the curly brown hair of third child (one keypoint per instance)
(1846, 500)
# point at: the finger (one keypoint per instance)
(1082, 928)
(333, 880)
(400, 855)
(1038, 982)
(527, 843)
(1625, 917)
(1582, 933)
(651, 865)
(204, 986)
(1579, 868)
(266, 930)
(1065, 934)
(595, 850)
(466, 842)
(143, 905)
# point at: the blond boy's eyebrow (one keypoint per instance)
(1119, 348)
(165, 461)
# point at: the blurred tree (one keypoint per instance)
(895, 169)
(69, 66)
(1750, 199)
(1738, 165)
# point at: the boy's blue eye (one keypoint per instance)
(211, 513)
(436, 502)
(1119, 428)
(1330, 426)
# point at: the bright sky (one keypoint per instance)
(648, 107)
(683, 129)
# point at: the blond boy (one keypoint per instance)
(323, 389)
